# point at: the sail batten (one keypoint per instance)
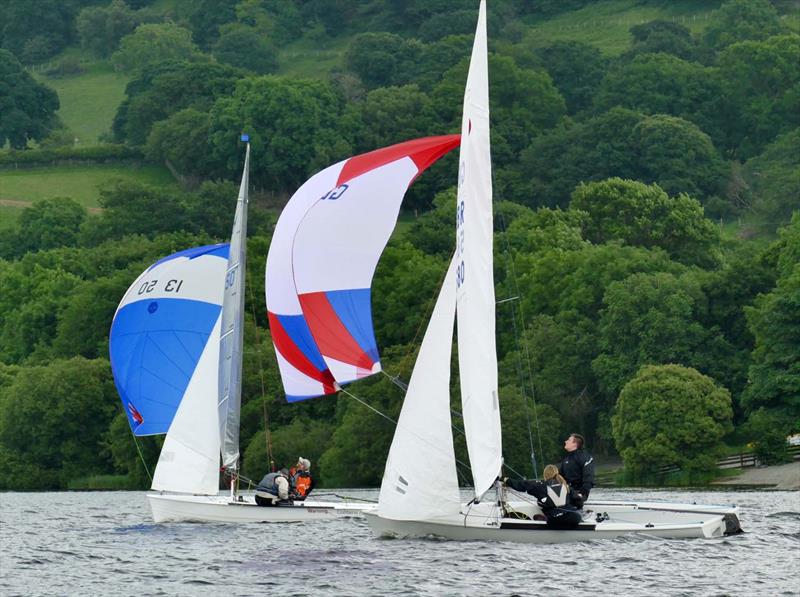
(231, 342)
(475, 276)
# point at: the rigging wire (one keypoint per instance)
(139, 450)
(390, 419)
(267, 434)
(517, 336)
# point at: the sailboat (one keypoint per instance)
(410, 504)
(176, 355)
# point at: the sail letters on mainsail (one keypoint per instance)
(475, 298)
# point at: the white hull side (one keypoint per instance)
(199, 508)
(623, 518)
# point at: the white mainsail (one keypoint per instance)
(420, 480)
(475, 277)
(232, 331)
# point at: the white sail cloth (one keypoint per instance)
(189, 460)
(232, 330)
(420, 480)
(475, 298)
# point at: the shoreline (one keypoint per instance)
(780, 476)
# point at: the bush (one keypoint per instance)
(36, 157)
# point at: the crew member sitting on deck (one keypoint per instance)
(553, 496)
(302, 481)
(273, 489)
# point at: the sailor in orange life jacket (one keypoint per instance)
(302, 481)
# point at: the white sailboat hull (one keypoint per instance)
(603, 520)
(220, 508)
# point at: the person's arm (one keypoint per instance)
(588, 476)
(283, 488)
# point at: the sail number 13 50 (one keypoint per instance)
(150, 285)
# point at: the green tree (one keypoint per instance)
(678, 155)
(645, 215)
(166, 88)
(382, 117)
(245, 47)
(524, 103)
(49, 223)
(738, 20)
(524, 424)
(32, 299)
(773, 179)
(126, 452)
(774, 320)
(53, 419)
(27, 108)
(34, 31)
(761, 79)
(654, 319)
(662, 36)
(100, 28)
(670, 415)
(206, 18)
(360, 444)
(293, 126)
(152, 43)
(182, 140)
(382, 59)
(558, 160)
(306, 438)
(577, 69)
(665, 84)
(767, 430)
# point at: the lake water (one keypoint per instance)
(105, 543)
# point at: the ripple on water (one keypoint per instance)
(95, 542)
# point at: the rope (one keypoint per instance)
(139, 450)
(390, 419)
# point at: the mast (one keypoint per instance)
(232, 331)
(477, 352)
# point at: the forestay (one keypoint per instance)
(475, 301)
(322, 258)
(420, 480)
(232, 330)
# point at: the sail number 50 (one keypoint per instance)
(459, 274)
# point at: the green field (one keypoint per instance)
(312, 60)
(606, 24)
(80, 182)
(89, 100)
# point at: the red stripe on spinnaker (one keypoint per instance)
(423, 151)
(292, 353)
(332, 337)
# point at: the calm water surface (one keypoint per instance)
(105, 543)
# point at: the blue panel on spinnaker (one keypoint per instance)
(155, 347)
(355, 311)
(220, 250)
(297, 329)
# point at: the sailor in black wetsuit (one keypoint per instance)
(577, 468)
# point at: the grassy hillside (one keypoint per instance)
(89, 100)
(80, 182)
(606, 24)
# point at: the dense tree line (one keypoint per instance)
(637, 320)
